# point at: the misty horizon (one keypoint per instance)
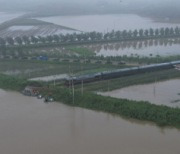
(71, 7)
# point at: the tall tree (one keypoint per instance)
(141, 32)
(177, 31)
(162, 31)
(49, 38)
(167, 31)
(157, 32)
(56, 38)
(151, 32)
(135, 33)
(99, 36)
(41, 39)
(26, 40)
(18, 40)
(146, 33)
(2, 42)
(171, 31)
(118, 34)
(34, 40)
(10, 40)
(93, 35)
(124, 34)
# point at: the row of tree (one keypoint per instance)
(92, 36)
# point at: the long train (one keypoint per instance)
(119, 73)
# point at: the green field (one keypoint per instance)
(30, 69)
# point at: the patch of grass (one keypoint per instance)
(31, 69)
(14, 83)
(81, 51)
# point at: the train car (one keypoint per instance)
(120, 73)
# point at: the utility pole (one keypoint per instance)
(72, 91)
(108, 85)
(54, 81)
(82, 88)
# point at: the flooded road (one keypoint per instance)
(160, 93)
(29, 126)
(106, 23)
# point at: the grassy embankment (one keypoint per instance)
(161, 115)
(112, 84)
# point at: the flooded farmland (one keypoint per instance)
(105, 23)
(35, 30)
(160, 93)
(30, 126)
(147, 48)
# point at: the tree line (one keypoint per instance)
(91, 37)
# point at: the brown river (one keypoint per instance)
(29, 126)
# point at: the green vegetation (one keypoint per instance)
(161, 115)
(84, 52)
(13, 83)
(31, 69)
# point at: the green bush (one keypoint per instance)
(159, 114)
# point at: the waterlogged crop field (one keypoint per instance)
(40, 30)
(25, 26)
(160, 93)
(145, 48)
(142, 48)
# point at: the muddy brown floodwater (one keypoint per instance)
(160, 93)
(29, 126)
(106, 23)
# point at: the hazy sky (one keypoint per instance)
(90, 6)
(88, 1)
